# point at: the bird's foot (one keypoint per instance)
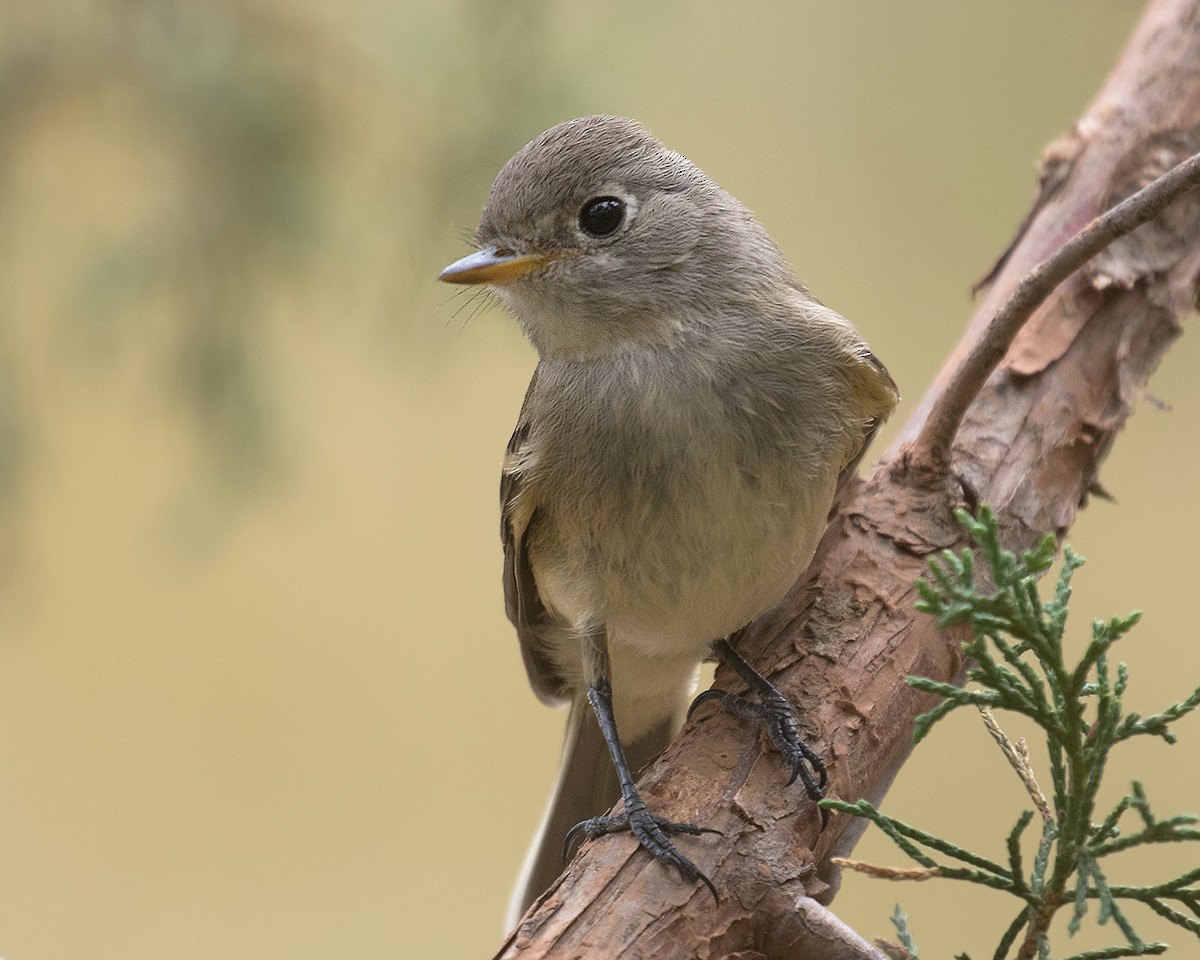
(651, 832)
(778, 716)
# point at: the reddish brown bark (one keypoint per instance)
(1030, 445)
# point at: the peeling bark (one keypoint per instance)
(1030, 445)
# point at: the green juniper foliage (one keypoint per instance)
(903, 934)
(1017, 664)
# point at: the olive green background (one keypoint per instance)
(258, 697)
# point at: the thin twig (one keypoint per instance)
(881, 872)
(1017, 755)
(932, 446)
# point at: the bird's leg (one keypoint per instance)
(651, 831)
(776, 713)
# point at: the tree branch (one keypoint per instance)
(933, 444)
(1030, 443)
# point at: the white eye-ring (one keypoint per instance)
(602, 216)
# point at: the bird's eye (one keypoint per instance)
(602, 216)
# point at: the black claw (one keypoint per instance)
(651, 833)
(704, 698)
(590, 830)
(703, 878)
(775, 712)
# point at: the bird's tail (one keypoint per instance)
(587, 787)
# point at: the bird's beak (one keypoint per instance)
(493, 265)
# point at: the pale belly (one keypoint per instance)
(668, 571)
(669, 509)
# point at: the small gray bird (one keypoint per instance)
(675, 461)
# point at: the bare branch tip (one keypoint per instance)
(933, 444)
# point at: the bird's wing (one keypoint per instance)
(536, 626)
(878, 395)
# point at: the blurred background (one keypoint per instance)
(258, 696)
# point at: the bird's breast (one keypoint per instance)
(670, 509)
